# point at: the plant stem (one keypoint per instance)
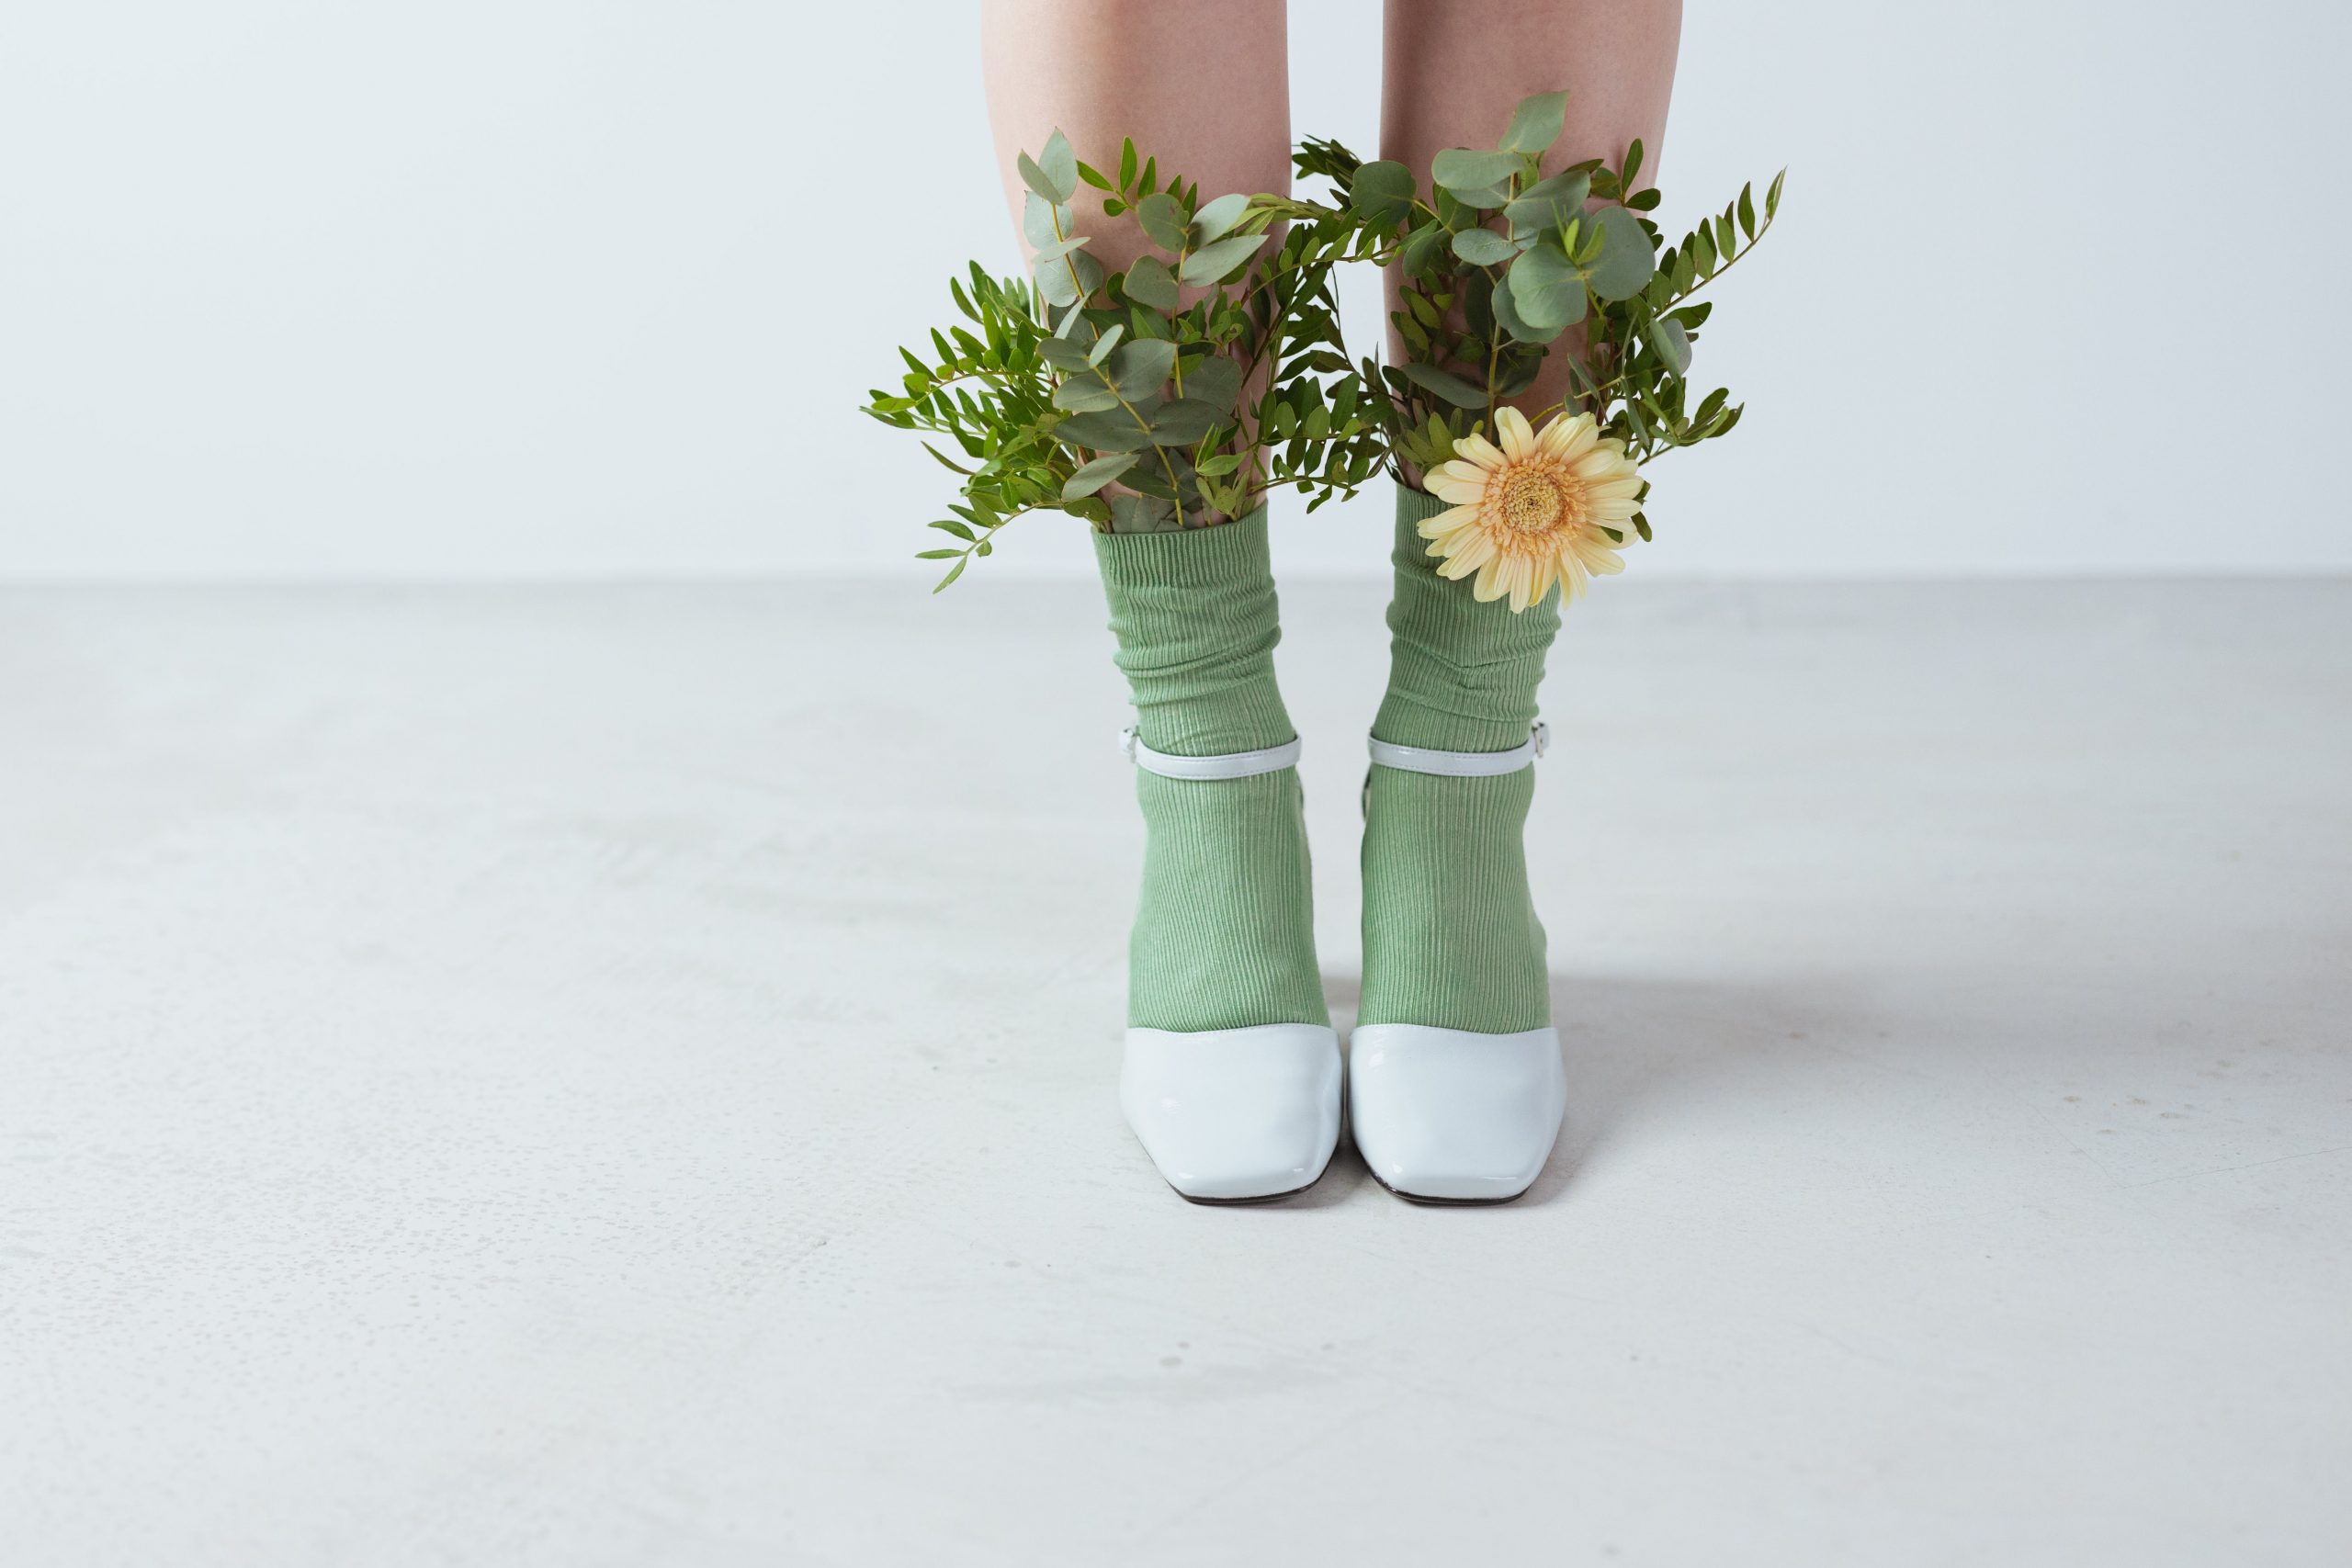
(1741, 254)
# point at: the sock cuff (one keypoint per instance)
(1461, 675)
(1225, 555)
(1196, 620)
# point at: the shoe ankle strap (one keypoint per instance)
(1464, 764)
(1232, 765)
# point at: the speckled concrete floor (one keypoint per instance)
(624, 1077)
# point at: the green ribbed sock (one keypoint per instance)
(1450, 932)
(1225, 929)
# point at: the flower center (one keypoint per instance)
(1531, 501)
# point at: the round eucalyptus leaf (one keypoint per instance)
(1183, 422)
(1671, 343)
(1143, 514)
(1535, 124)
(1218, 218)
(1055, 280)
(1055, 285)
(1521, 329)
(1483, 247)
(1483, 198)
(1152, 478)
(1057, 250)
(1116, 429)
(1215, 380)
(1458, 169)
(1548, 204)
(1420, 247)
(1097, 474)
(1141, 367)
(1037, 218)
(1036, 179)
(1626, 261)
(1084, 394)
(1213, 263)
(1546, 287)
(1059, 165)
(1162, 219)
(1148, 282)
(1382, 193)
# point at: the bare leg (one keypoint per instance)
(1454, 69)
(1203, 86)
(1231, 1073)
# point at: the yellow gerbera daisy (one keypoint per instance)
(1531, 512)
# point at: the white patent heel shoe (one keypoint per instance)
(1235, 1115)
(1232, 1115)
(1449, 1115)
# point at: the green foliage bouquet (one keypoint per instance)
(1212, 369)
(1170, 394)
(1499, 261)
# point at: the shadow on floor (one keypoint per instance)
(1629, 1043)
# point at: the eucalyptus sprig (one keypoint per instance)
(1173, 393)
(1498, 261)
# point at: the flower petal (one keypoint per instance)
(1517, 437)
(1475, 550)
(1595, 554)
(1543, 574)
(1478, 450)
(1600, 463)
(1566, 434)
(1457, 489)
(1581, 440)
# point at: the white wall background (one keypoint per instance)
(514, 287)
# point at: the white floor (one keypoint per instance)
(624, 1077)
